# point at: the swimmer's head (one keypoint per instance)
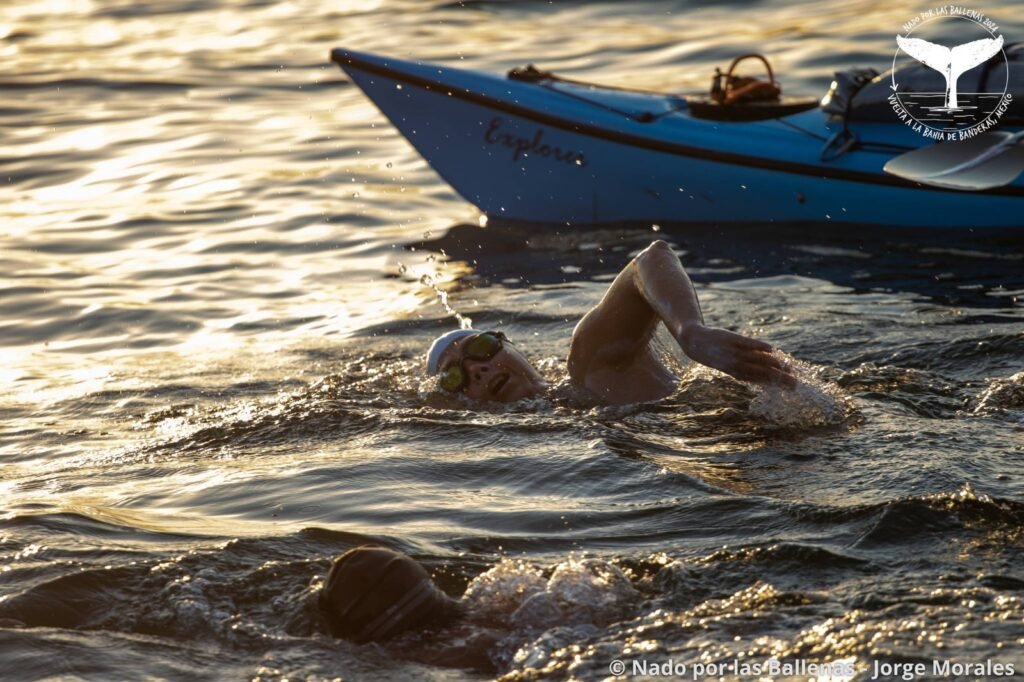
(483, 366)
(373, 594)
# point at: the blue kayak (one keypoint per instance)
(541, 149)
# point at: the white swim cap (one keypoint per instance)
(441, 344)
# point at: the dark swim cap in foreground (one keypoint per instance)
(374, 593)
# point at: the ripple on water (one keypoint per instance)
(212, 361)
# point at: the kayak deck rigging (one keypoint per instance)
(775, 108)
(698, 106)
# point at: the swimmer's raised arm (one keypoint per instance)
(613, 338)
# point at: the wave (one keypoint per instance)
(1001, 395)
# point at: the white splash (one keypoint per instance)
(580, 591)
(813, 402)
(500, 591)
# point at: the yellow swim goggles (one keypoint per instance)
(483, 346)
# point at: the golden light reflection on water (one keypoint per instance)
(189, 164)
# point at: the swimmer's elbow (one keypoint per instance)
(656, 249)
(655, 255)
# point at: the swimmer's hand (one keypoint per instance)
(736, 355)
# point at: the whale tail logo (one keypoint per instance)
(951, 62)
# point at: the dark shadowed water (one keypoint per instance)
(212, 319)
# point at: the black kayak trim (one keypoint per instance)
(342, 59)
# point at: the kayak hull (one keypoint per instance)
(571, 154)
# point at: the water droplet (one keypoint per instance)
(402, 269)
(656, 228)
(389, 164)
(355, 195)
(428, 234)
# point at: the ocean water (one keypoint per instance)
(216, 260)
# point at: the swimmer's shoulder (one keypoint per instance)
(643, 379)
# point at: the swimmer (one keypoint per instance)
(610, 354)
(374, 594)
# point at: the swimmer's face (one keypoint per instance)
(506, 377)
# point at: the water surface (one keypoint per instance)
(213, 317)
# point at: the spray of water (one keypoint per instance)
(580, 590)
(812, 402)
(442, 298)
